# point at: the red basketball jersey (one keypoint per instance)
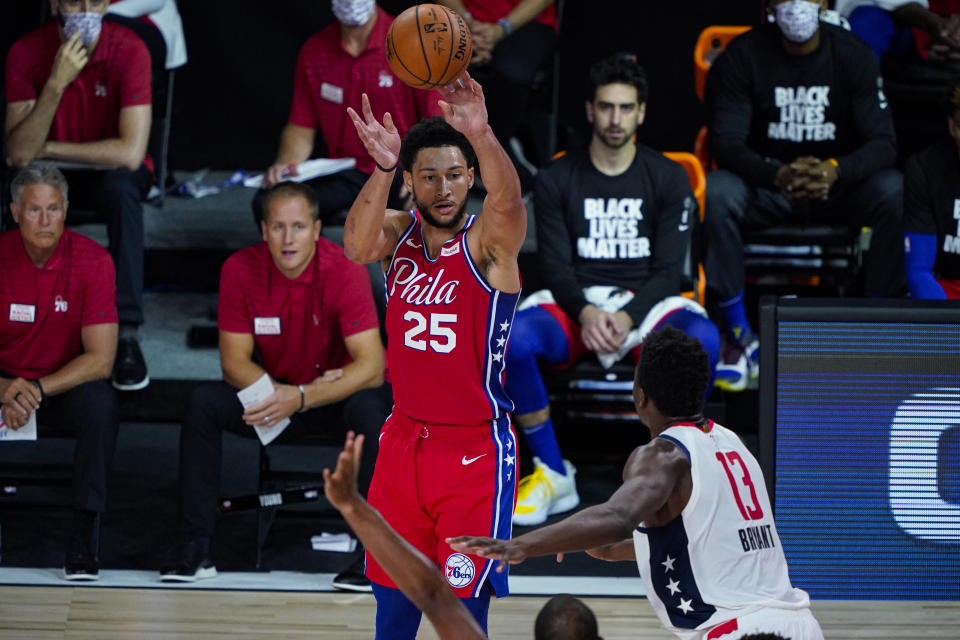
(448, 331)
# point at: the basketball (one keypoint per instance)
(428, 46)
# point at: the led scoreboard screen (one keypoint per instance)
(860, 442)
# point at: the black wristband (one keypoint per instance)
(384, 169)
(43, 394)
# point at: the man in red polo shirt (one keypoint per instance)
(78, 91)
(58, 338)
(308, 311)
(336, 66)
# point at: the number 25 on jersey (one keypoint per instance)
(440, 337)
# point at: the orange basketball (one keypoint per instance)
(428, 46)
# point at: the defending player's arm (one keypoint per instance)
(502, 226)
(651, 476)
(417, 577)
(371, 231)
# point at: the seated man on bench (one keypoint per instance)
(614, 225)
(58, 339)
(297, 301)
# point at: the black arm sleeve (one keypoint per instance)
(874, 123)
(729, 103)
(554, 246)
(676, 215)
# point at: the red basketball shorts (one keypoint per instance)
(433, 482)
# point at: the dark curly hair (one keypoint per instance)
(434, 132)
(673, 371)
(621, 68)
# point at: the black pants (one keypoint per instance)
(117, 196)
(90, 410)
(733, 206)
(335, 195)
(214, 408)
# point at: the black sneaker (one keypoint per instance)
(129, 369)
(81, 561)
(192, 563)
(353, 579)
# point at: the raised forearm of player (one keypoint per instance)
(364, 372)
(499, 175)
(28, 125)
(126, 151)
(95, 363)
(365, 237)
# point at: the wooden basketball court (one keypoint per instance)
(40, 613)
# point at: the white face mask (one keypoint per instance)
(353, 13)
(798, 19)
(86, 24)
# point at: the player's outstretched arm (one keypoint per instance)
(417, 577)
(503, 224)
(370, 234)
(650, 477)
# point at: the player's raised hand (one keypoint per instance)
(382, 141)
(340, 485)
(506, 551)
(463, 106)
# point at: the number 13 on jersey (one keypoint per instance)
(437, 326)
(733, 464)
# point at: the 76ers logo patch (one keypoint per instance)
(459, 570)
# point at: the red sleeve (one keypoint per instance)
(231, 307)
(426, 102)
(19, 64)
(136, 88)
(302, 111)
(100, 292)
(353, 300)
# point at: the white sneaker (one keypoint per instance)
(544, 493)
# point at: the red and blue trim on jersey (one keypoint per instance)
(461, 305)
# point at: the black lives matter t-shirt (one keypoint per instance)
(631, 230)
(768, 107)
(931, 199)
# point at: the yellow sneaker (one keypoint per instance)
(544, 493)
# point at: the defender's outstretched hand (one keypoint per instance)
(463, 106)
(506, 551)
(382, 141)
(340, 486)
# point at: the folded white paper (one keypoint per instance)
(255, 394)
(309, 169)
(341, 542)
(26, 432)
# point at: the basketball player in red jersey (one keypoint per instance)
(448, 452)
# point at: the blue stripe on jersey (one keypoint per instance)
(500, 316)
(682, 446)
(672, 575)
(502, 525)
